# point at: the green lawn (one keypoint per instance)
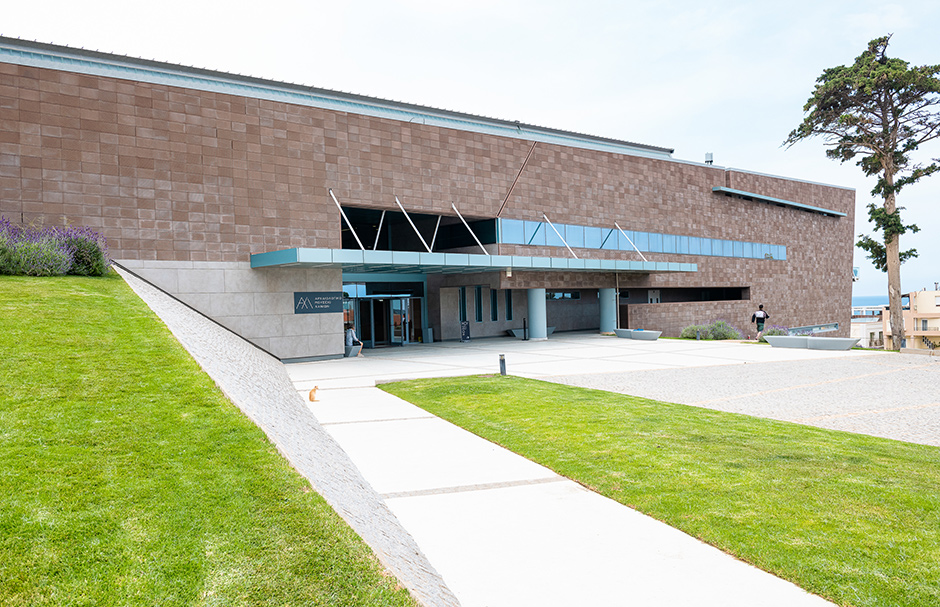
(853, 518)
(126, 478)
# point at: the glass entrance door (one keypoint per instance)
(399, 310)
(385, 312)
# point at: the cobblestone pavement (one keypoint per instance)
(260, 387)
(888, 395)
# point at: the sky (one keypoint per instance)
(729, 78)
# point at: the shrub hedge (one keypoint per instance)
(719, 329)
(52, 251)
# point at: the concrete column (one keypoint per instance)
(607, 299)
(538, 327)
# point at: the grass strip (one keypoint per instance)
(127, 478)
(853, 518)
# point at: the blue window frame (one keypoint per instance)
(656, 243)
(478, 303)
(494, 305)
(534, 233)
(623, 240)
(669, 243)
(551, 238)
(593, 237)
(512, 231)
(538, 233)
(575, 236)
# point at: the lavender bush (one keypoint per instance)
(720, 329)
(9, 235)
(691, 331)
(89, 251)
(773, 330)
(51, 251)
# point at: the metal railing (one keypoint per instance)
(823, 328)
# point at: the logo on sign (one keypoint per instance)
(304, 303)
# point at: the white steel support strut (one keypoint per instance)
(559, 235)
(436, 228)
(348, 223)
(630, 241)
(466, 225)
(378, 232)
(415, 228)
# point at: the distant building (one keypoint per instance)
(921, 311)
(284, 212)
(867, 326)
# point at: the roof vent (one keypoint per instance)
(709, 158)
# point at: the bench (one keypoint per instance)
(811, 343)
(638, 334)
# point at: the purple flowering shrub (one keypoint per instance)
(51, 251)
(773, 330)
(89, 251)
(693, 331)
(719, 329)
(9, 234)
(722, 329)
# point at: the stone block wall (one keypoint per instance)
(180, 175)
(256, 304)
(671, 318)
(446, 319)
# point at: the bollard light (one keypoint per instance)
(502, 364)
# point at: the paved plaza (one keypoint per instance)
(461, 521)
(869, 392)
(504, 531)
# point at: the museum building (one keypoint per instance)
(287, 212)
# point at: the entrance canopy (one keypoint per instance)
(411, 262)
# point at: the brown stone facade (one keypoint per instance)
(180, 175)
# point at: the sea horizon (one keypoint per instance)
(869, 300)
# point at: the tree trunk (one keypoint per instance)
(892, 248)
(893, 266)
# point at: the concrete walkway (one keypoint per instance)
(502, 530)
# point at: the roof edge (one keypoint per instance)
(222, 77)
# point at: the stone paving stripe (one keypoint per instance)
(480, 487)
(377, 421)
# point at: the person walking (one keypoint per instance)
(760, 317)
